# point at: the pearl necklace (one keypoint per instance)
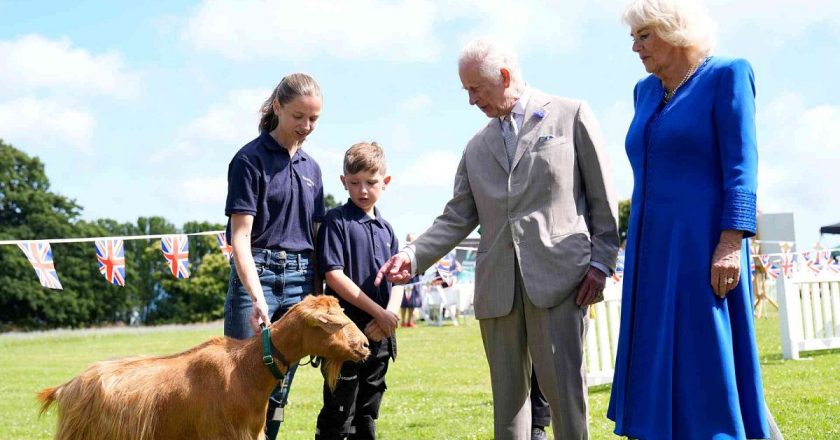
(669, 95)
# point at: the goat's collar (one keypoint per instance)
(270, 352)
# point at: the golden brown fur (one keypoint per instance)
(216, 390)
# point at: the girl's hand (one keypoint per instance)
(260, 314)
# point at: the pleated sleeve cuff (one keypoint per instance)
(739, 212)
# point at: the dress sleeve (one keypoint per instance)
(331, 242)
(734, 114)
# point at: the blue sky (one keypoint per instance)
(137, 109)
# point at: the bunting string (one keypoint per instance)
(91, 239)
(110, 255)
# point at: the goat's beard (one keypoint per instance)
(333, 369)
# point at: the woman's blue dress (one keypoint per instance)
(687, 364)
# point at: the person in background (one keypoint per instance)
(275, 201)
(353, 243)
(687, 363)
(412, 296)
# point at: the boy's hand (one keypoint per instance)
(387, 322)
(373, 332)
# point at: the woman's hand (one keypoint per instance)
(726, 262)
(260, 314)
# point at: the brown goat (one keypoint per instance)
(216, 390)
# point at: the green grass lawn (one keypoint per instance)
(439, 388)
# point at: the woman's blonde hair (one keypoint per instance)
(681, 23)
(289, 88)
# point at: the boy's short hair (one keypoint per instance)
(364, 156)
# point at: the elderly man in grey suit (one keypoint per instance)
(536, 180)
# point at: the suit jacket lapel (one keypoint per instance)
(496, 143)
(528, 133)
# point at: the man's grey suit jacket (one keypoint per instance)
(553, 214)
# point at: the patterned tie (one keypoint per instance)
(509, 133)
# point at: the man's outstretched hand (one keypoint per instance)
(396, 270)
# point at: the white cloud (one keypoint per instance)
(420, 103)
(225, 123)
(43, 125)
(537, 26)
(402, 30)
(230, 121)
(204, 190)
(435, 169)
(799, 152)
(33, 62)
(261, 29)
(774, 20)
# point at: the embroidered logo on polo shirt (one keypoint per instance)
(308, 181)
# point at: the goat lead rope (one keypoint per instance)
(267, 358)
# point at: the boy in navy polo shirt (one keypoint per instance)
(354, 241)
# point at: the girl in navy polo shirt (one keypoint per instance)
(275, 201)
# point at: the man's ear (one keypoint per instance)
(505, 76)
(343, 182)
(386, 180)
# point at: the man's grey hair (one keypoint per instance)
(681, 23)
(491, 56)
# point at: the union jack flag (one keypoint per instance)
(40, 256)
(111, 257)
(176, 250)
(770, 268)
(786, 264)
(833, 266)
(817, 263)
(227, 249)
(827, 261)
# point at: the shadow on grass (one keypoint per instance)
(816, 354)
(600, 389)
(778, 358)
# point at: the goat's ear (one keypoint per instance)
(331, 323)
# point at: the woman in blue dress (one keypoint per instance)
(274, 203)
(687, 363)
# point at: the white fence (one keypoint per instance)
(809, 313)
(602, 336)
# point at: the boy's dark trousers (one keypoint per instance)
(352, 409)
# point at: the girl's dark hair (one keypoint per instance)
(290, 87)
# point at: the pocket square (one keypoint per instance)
(545, 138)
